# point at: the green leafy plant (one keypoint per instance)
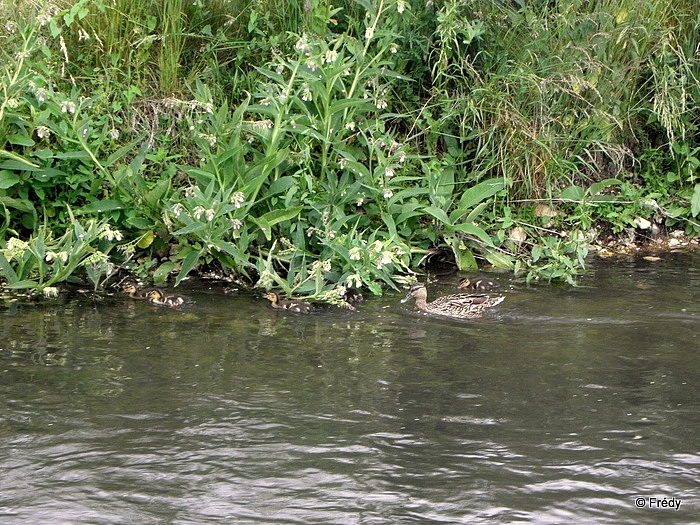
(43, 260)
(309, 146)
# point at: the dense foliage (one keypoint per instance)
(307, 146)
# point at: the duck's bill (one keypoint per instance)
(407, 298)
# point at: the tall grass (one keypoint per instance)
(546, 94)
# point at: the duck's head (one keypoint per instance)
(129, 288)
(465, 283)
(155, 296)
(272, 296)
(416, 290)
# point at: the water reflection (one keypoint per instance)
(562, 406)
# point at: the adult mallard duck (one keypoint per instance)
(161, 298)
(293, 305)
(479, 284)
(460, 306)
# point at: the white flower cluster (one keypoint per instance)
(238, 199)
(68, 106)
(200, 211)
(15, 247)
(43, 132)
(56, 256)
(106, 232)
(331, 56)
(355, 253)
(303, 45)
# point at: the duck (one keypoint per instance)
(478, 284)
(161, 298)
(459, 306)
(350, 295)
(292, 305)
(134, 292)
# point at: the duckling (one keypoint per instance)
(350, 295)
(134, 292)
(161, 298)
(478, 284)
(460, 306)
(293, 305)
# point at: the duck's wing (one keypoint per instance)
(464, 305)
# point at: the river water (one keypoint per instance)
(562, 405)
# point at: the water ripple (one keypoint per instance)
(563, 407)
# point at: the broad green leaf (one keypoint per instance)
(467, 260)
(498, 259)
(276, 77)
(189, 262)
(536, 252)
(80, 155)
(264, 226)
(406, 211)
(17, 158)
(20, 139)
(237, 116)
(19, 165)
(140, 223)
(476, 231)
(203, 177)
(252, 187)
(10, 274)
(310, 132)
(675, 211)
(407, 193)
(695, 201)
(100, 206)
(479, 192)
(265, 222)
(281, 185)
(475, 212)
(276, 216)
(121, 152)
(342, 104)
(232, 250)
(445, 186)
(8, 179)
(20, 285)
(258, 174)
(357, 167)
(191, 228)
(597, 187)
(270, 162)
(463, 255)
(146, 240)
(17, 204)
(47, 173)
(162, 272)
(153, 197)
(573, 193)
(375, 288)
(437, 213)
(390, 224)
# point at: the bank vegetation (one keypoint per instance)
(305, 146)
